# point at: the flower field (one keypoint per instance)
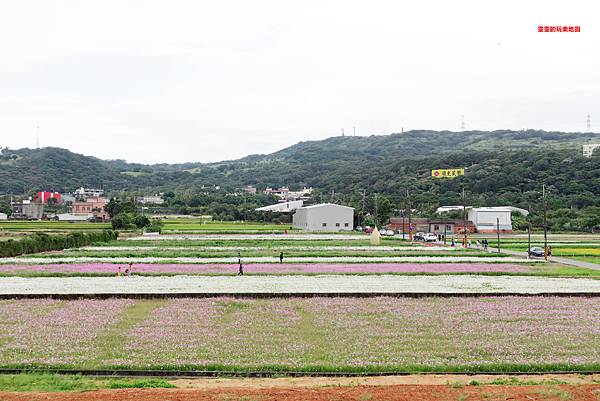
(271, 259)
(109, 269)
(235, 237)
(304, 254)
(310, 334)
(299, 284)
(366, 332)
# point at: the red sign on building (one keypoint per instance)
(45, 196)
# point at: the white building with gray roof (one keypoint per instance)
(324, 217)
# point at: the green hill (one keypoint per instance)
(382, 163)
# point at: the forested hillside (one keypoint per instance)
(27, 170)
(503, 167)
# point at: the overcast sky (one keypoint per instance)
(175, 81)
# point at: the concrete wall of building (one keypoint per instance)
(588, 149)
(486, 221)
(325, 217)
(94, 206)
(32, 210)
(74, 217)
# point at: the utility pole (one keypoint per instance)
(498, 232)
(364, 194)
(528, 240)
(403, 213)
(545, 222)
(529, 233)
(354, 131)
(410, 237)
(464, 197)
(376, 211)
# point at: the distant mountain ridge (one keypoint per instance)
(325, 163)
(419, 143)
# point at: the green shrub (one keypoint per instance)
(122, 221)
(41, 242)
(141, 221)
(155, 226)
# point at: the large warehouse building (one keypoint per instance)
(324, 217)
(487, 220)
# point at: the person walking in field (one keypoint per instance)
(126, 272)
(119, 272)
(241, 269)
(280, 257)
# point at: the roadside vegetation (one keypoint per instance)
(45, 382)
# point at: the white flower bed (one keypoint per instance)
(219, 237)
(263, 248)
(272, 259)
(296, 284)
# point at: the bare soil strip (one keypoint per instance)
(425, 379)
(585, 392)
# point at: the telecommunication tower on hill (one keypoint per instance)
(37, 137)
(589, 123)
(462, 122)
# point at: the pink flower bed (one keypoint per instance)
(269, 268)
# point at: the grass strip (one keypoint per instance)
(113, 339)
(258, 370)
(45, 382)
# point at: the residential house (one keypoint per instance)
(27, 210)
(92, 207)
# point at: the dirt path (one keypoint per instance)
(584, 392)
(251, 383)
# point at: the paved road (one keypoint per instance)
(555, 259)
(331, 284)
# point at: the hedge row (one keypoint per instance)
(41, 242)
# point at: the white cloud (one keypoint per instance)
(174, 81)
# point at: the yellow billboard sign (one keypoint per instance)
(447, 173)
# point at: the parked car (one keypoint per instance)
(390, 233)
(419, 236)
(430, 237)
(382, 231)
(536, 252)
